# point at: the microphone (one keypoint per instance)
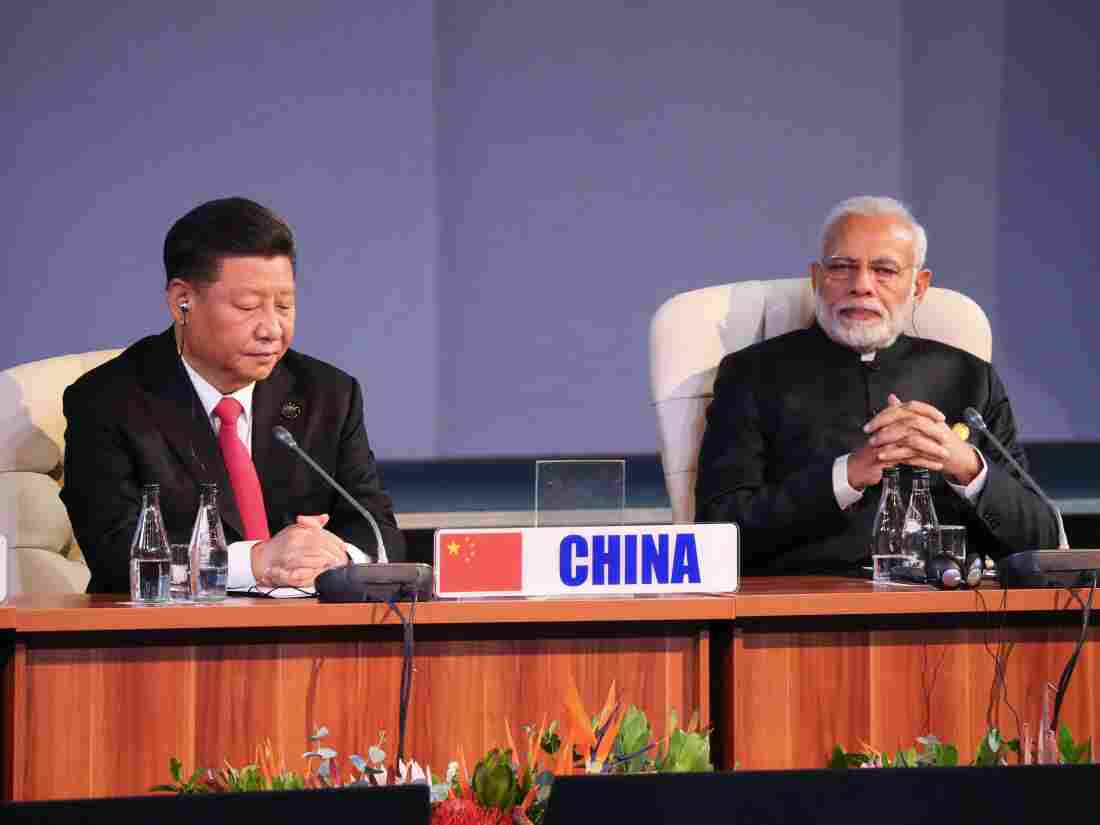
(283, 436)
(975, 420)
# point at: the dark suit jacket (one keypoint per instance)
(137, 419)
(784, 409)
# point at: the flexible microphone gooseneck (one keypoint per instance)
(975, 420)
(284, 437)
(402, 577)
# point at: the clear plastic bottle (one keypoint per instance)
(150, 556)
(208, 551)
(921, 533)
(890, 518)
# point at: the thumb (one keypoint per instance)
(893, 400)
(315, 522)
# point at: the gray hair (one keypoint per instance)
(873, 206)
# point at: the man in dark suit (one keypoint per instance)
(197, 403)
(802, 425)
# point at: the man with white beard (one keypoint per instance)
(802, 425)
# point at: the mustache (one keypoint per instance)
(868, 306)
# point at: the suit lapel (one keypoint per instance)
(274, 403)
(178, 413)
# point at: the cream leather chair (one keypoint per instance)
(692, 331)
(42, 554)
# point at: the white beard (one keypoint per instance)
(864, 336)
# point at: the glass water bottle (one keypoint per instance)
(208, 552)
(890, 517)
(150, 556)
(921, 533)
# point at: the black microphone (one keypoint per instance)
(975, 420)
(283, 436)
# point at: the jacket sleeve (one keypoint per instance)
(101, 492)
(357, 472)
(1010, 513)
(733, 485)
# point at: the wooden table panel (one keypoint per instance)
(118, 704)
(798, 692)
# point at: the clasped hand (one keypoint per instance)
(913, 433)
(297, 554)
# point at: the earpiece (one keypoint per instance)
(945, 573)
(185, 307)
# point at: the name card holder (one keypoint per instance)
(586, 561)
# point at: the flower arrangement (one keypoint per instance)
(507, 785)
(993, 749)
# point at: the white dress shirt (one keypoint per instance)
(240, 552)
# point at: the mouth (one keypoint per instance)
(859, 314)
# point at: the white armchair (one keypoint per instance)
(42, 554)
(691, 332)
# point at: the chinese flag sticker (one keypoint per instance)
(480, 562)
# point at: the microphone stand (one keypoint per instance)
(284, 437)
(975, 420)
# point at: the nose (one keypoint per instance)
(269, 325)
(862, 281)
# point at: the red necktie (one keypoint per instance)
(242, 472)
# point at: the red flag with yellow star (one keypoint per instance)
(481, 562)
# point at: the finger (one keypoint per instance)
(927, 447)
(928, 464)
(887, 417)
(315, 522)
(899, 430)
(926, 410)
(914, 461)
(908, 455)
(893, 400)
(302, 577)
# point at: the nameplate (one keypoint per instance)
(586, 561)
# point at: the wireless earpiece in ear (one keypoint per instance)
(185, 307)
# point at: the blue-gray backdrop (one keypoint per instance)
(492, 198)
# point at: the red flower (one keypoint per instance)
(468, 812)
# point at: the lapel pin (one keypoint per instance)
(291, 410)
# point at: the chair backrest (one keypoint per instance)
(32, 448)
(692, 332)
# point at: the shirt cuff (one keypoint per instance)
(240, 562)
(357, 556)
(846, 494)
(974, 489)
(240, 565)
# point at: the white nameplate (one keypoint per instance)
(584, 561)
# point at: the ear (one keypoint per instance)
(815, 275)
(924, 280)
(179, 293)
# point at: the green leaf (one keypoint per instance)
(993, 738)
(173, 788)
(949, 756)
(1065, 743)
(634, 736)
(175, 767)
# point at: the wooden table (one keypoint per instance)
(100, 694)
(812, 662)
